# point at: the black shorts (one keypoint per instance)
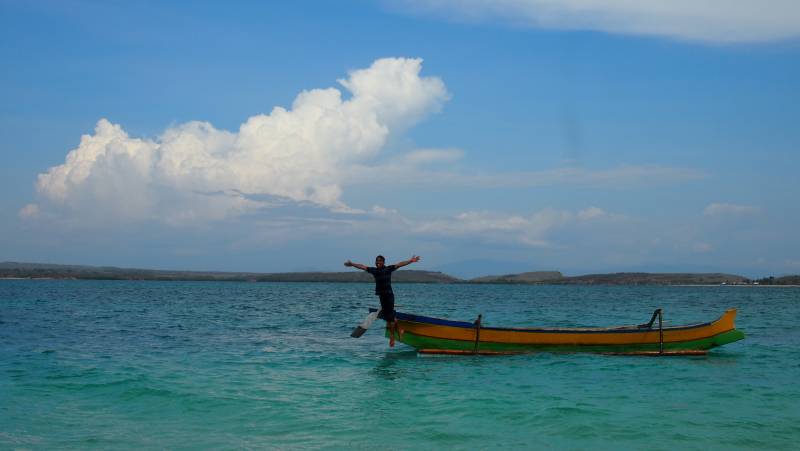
(387, 306)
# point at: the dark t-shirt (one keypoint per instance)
(383, 279)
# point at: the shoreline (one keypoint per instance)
(44, 271)
(407, 282)
(738, 285)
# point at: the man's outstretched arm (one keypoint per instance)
(411, 260)
(348, 263)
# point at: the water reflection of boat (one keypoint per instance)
(442, 336)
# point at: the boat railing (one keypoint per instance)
(658, 313)
(477, 333)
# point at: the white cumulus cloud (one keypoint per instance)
(195, 171)
(712, 21)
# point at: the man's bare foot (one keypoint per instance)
(391, 341)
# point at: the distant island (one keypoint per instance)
(633, 278)
(525, 277)
(17, 270)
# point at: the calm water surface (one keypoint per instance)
(95, 364)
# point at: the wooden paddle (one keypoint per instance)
(361, 328)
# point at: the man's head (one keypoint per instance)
(380, 261)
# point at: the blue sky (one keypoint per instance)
(488, 137)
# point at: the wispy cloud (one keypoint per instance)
(709, 21)
(529, 230)
(720, 209)
(29, 211)
(591, 213)
(702, 247)
(627, 176)
(429, 156)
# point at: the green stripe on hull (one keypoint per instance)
(421, 342)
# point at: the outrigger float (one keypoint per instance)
(441, 336)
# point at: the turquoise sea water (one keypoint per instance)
(179, 365)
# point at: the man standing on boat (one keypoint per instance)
(383, 287)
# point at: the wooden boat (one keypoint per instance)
(442, 336)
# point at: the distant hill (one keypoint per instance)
(788, 280)
(401, 276)
(783, 280)
(49, 271)
(643, 278)
(478, 267)
(525, 277)
(622, 278)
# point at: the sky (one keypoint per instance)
(489, 137)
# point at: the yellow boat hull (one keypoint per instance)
(426, 333)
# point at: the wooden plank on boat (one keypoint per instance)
(660, 354)
(463, 352)
(685, 352)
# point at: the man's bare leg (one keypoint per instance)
(390, 326)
